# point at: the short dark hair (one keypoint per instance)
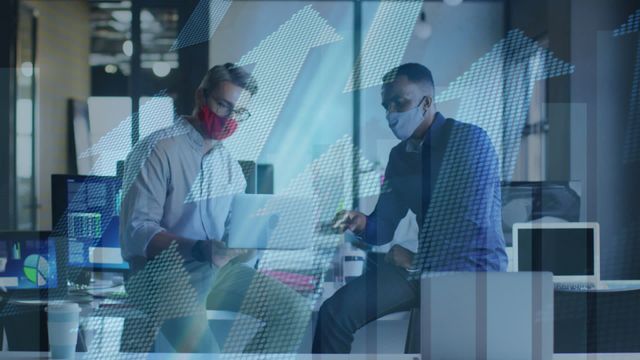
(228, 72)
(416, 73)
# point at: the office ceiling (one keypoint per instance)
(111, 32)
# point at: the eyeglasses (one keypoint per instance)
(227, 111)
(401, 106)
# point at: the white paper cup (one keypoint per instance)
(63, 320)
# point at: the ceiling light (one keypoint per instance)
(127, 47)
(161, 69)
(27, 69)
(146, 16)
(423, 28)
(111, 69)
(122, 16)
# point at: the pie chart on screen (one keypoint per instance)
(36, 269)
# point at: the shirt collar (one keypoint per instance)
(195, 138)
(415, 145)
(435, 130)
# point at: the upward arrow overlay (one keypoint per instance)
(278, 60)
(495, 93)
(385, 44)
(632, 135)
(632, 25)
(324, 184)
(202, 23)
(116, 144)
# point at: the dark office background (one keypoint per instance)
(587, 112)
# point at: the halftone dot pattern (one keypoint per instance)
(632, 25)
(116, 144)
(385, 43)
(586, 312)
(621, 251)
(496, 91)
(325, 184)
(136, 159)
(112, 147)
(213, 182)
(158, 292)
(278, 60)
(202, 23)
(631, 151)
(465, 200)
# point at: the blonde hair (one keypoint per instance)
(226, 72)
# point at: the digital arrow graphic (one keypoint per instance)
(278, 60)
(495, 93)
(385, 43)
(632, 135)
(325, 185)
(115, 145)
(202, 23)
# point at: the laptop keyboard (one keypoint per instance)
(574, 286)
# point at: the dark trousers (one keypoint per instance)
(382, 290)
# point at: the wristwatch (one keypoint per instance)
(197, 252)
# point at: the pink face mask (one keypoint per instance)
(216, 127)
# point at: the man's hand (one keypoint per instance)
(221, 255)
(399, 256)
(350, 220)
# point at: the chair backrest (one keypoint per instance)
(487, 315)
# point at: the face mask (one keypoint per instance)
(216, 127)
(404, 124)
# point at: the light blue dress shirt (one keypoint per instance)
(176, 181)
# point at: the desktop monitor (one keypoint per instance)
(86, 211)
(525, 201)
(571, 251)
(28, 261)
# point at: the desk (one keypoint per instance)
(597, 321)
(602, 321)
(17, 355)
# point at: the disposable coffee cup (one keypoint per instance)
(63, 320)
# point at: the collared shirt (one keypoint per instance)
(411, 177)
(175, 182)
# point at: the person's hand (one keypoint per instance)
(221, 254)
(399, 256)
(350, 220)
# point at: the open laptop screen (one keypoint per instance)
(27, 261)
(562, 251)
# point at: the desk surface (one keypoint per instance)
(18, 355)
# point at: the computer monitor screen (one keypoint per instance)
(88, 209)
(27, 261)
(562, 251)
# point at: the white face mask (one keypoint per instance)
(404, 124)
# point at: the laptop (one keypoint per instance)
(570, 250)
(487, 315)
(277, 222)
(29, 267)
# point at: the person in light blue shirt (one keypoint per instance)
(178, 188)
(444, 171)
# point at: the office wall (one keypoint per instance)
(600, 93)
(63, 44)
